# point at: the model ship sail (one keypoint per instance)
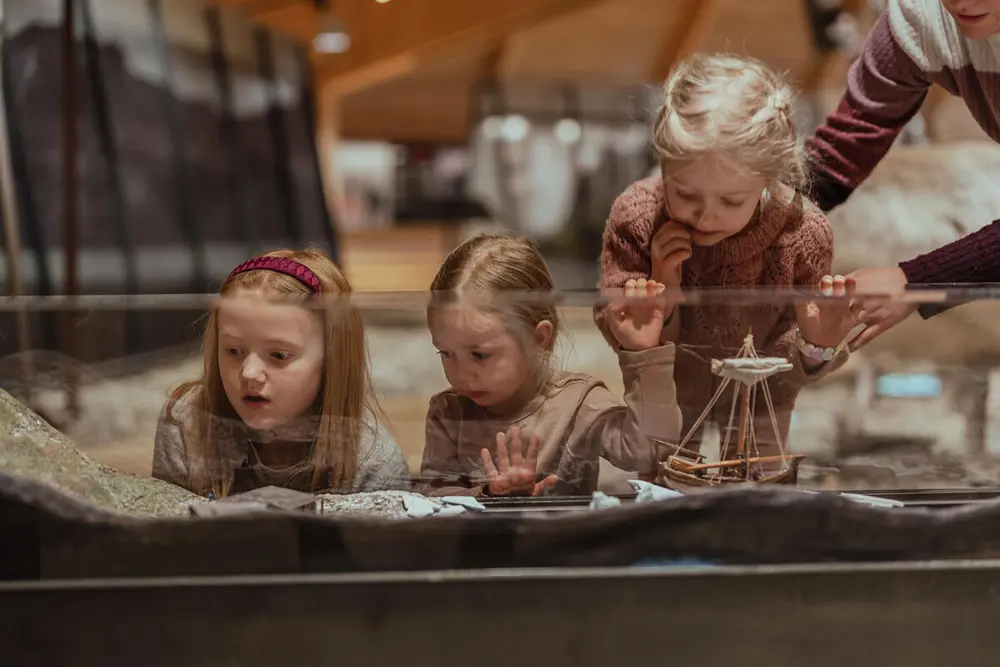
(748, 373)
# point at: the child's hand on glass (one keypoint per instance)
(636, 319)
(514, 474)
(827, 323)
(671, 247)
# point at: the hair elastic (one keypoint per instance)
(288, 267)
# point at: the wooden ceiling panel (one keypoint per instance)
(613, 41)
(463, 69)
(407, 111)
(298, 20)
(381, 31)
(775, 32)
(430, 104)
(412, 63)
(692, 25)
(620, 41)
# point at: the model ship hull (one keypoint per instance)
(681, 480)
(684, 470)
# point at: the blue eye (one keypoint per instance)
(481, 356)
(281, 356)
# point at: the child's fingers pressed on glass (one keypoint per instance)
(503, 459)
(531, 459)
(491, 470)
(516, 448)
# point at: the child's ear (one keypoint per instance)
(543, 334)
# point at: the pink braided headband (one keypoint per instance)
(289, 267)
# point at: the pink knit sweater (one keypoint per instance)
(789, 242)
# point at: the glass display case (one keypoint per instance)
(755, 478)
(914, 409)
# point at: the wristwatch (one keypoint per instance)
(816, 352)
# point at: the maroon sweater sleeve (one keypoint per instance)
(885, 90)
(971, 259)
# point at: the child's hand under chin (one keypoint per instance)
(636, 320)
(827, 323)
(671, 247)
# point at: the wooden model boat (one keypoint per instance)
(684, 470)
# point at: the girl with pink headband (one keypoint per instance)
(285, 396)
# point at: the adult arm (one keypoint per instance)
(885, 90)
(971, 259)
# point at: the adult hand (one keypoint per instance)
(515, 471)
(877, 302)
(827, 323)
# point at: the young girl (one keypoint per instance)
(727, 210)
(496, 338)
(285, 397)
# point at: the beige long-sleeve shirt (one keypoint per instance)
(577, 420)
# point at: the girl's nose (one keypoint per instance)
(466, 375)
(252, 368)
(700, 215)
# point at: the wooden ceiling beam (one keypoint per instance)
(491, 64)
(696, 23)
(394, 39)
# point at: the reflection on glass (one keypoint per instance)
(900, 414)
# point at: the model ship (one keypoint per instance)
(748, 372)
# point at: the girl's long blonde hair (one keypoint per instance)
(345, 406)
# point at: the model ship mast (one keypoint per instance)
(750, 372)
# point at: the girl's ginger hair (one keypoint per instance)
(490, 264)
(735, 107)
(344, 400)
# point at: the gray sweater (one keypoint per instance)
(380, 462)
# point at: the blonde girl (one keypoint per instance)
(495, 329)
(728, 209)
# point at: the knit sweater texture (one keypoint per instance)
(788, 242)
